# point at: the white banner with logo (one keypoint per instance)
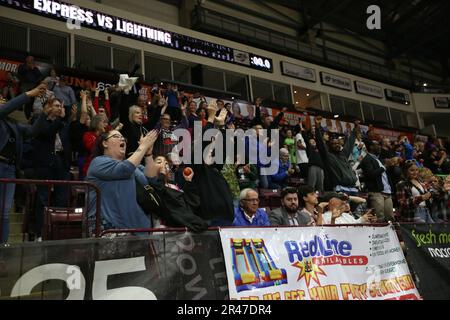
(333, 80)
(316, 263)
(368, 89)
(296, 71)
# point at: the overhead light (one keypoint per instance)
(295, 91)
(307, 94)
(296, 102)
(425, 84)
(162, 83)
(232, 98)
(406, 102)
(336, 116)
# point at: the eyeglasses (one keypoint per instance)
(251, 200)
(168, 119)
(116, 136)
(410, 162)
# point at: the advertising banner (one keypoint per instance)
(311, 263)
(299, 72)
(333, 80)
(428, 248)
(368, 89)
(159, 267)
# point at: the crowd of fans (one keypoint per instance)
(123, 142)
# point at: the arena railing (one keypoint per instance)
(50, 184)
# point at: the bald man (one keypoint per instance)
(339, 213)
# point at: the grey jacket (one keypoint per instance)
(279, 217)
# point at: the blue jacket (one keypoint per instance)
(409, 151)
(116, 181)
(259, 220)
(6, 126)
(282, 172)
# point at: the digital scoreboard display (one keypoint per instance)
(78, 17)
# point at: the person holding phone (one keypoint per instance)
(339, 213)
(413, 195)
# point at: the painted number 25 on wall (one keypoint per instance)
(76, 282)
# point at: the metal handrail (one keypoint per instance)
(58, 182)
(185, 229)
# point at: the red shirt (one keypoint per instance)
(89, 139)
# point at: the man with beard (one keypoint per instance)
(289, 213)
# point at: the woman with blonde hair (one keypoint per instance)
(133, 129)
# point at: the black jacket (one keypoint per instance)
(313, 154)
(372, 173)
(336, 165)
(179, 208)
(44, 132)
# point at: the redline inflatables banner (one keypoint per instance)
(316, 263)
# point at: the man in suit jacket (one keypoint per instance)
(51, 156)
(377, 182)
(11, 140)
(289, 213)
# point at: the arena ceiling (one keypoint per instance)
(415, 30)
(415, 27)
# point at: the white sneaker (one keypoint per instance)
(38, 239)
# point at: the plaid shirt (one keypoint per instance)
(407, 202)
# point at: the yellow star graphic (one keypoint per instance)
(309, 270)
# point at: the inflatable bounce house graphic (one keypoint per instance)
(253, 266)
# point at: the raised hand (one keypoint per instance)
(183, 108)
(211, 108)
(426, 196)
(39, 91)
(73, 113)
(222, 115)
(162, 102)
(369, 216)
(321, 207)
(336, 213)
(119, 126)
(148, 140)
(188, 174)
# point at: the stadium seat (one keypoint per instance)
(63, 223)
(269, 198)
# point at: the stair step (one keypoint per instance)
(15, 217)
(15, 228)
(15, 238)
